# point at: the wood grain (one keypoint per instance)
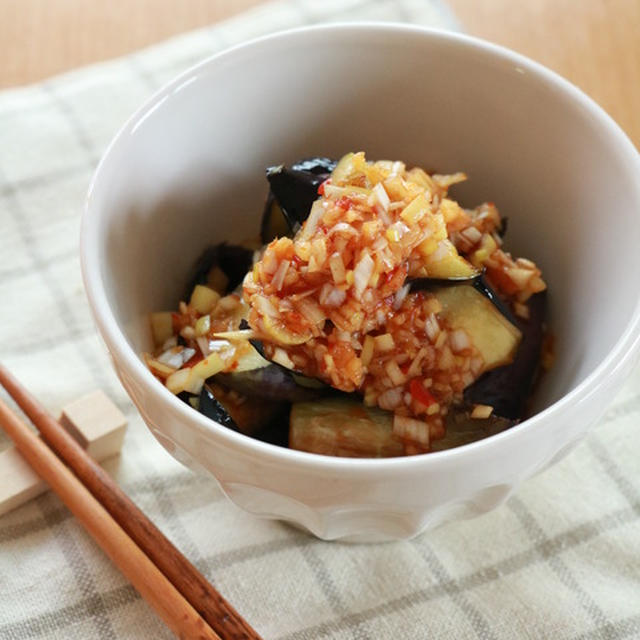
(45, 37)
(148, 580)
(93, 421)
(209, 603)
(593, 43)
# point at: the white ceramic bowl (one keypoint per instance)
(187, 170)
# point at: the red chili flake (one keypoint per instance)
(395, 278)
(420, 394)
(342, 353)
(322, 185)
(345, 203)
(194, 359)
(294, 321)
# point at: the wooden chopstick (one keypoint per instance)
(150, 582)
(201, 595)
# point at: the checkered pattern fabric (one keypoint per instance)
(559, 560)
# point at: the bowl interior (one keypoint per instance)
(188, 170)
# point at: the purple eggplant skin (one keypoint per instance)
(483, 287)
(305, 177)
(212, 408)
(295, 189)
(233, 260)
(295, 192)
(269, 383)
(276, 431)
(299, 378)
(428, 284)
(250, 416)
(507, 388)
(318, 165)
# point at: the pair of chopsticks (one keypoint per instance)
(179, 593)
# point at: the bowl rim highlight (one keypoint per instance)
(624, 350)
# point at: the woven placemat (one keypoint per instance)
(559, 560)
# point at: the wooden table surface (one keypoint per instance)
(593, 43)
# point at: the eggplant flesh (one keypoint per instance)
(494, 336)
(343, 427)
(340, 424)
(508, 388)
(478, 281)
(233, 260)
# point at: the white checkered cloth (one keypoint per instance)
(559, 560)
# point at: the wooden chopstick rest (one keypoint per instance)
(95, 423)
(143, 574)
(216, 611)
